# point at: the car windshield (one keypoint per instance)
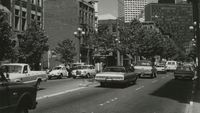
(82, 67)
(13, 68)
(170, 63)
(114, 69)
(143, 63)
(57, 68)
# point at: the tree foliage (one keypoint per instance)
(32, 45)
(6, 45)
(66, 51)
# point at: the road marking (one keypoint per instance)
(139, 88)
(108, 102)
(59, 93)
(154, 81)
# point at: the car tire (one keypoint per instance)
(60, 76)
(49, 78)
(88, 75)
(102, 84)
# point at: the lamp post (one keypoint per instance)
(118, 53)
(79, 34)
(195, 4)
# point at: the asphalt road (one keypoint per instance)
(159, 95)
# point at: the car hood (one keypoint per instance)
(54, 71)
(110, 74)
(143, 67)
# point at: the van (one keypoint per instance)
(171, 65)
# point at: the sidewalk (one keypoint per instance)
(196, 99)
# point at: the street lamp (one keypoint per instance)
(79, 34)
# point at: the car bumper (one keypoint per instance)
(183, 76)
(112, 81)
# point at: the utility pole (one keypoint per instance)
(118, 42)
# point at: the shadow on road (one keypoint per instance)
(179, 90)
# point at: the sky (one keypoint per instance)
(108, 7)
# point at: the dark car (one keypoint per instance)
(16, 97)
(184, 72)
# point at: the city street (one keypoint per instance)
(159, 95)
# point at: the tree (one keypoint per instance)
(6, 44)
(66, 50)
(32, 45)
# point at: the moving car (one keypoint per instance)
(171, 65)
(116, 75)
(184, 72)
(58, 72)
(161, 68)
(21, 72)
(85, 71)
(16, 97)
(144, 69)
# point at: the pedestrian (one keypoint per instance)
(69, 71)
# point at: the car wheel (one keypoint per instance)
(49, 78)
(88, 75)
(102, 84)
(60, 76)
(74, 77)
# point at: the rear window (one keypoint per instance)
(171, 63)
(114, 69)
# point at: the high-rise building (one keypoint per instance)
(130, 9)
(172, 19)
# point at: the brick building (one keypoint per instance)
(62, 18)
(23, 12)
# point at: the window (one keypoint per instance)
(25, 69)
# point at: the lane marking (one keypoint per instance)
(59, 93)
(139, 88)
(154, 81)
(109, 101)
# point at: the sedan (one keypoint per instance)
(116, 75)
(184, 72)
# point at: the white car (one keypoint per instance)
(58, 72)
(86, 71)
(144, 69)
(116, 75)
(161, 68)
(171, 65)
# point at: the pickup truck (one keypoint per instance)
(16, 97)
(20, 72)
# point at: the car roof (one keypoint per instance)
(20, 64)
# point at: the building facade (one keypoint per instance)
(62, 19)
(173, 20)
(23, 12)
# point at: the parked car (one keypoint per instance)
(58, 72)
(16, 97)
(116, 75)
(85, 71)
(144, 68)
(171, 65)
(21, 72)
(184, 72)
(161, 68)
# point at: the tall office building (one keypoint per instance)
(130, 9)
